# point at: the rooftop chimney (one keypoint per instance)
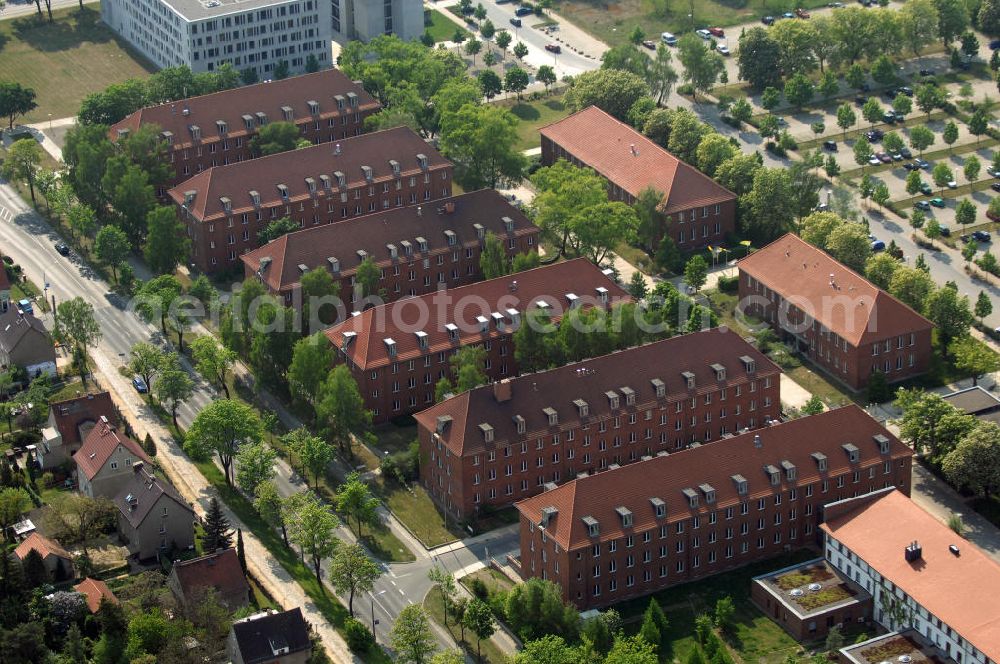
(913, 552)
(503, 390)
(635, 153)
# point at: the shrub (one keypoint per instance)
(729, 284)
(479, 589)
(359, 639)
(685, 89)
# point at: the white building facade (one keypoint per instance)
(205, 34)
(367, 19)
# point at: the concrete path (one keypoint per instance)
(793, 394)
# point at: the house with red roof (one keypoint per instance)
(58, 561)
(69, 423)
(95, 590)
(844, 323)
(702, 212)
(218, 572)
(104, 462)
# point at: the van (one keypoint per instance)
(669, 39)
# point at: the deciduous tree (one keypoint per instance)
(312, 528)
(352, 571)
(212, 360)
(167, 243)
(975, 461)
(341, 408)
(112, 248)
(222, 427)
(254, 466)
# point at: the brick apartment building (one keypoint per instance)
(703, 212)
(397, 352)
(504, 442)
(226, 206)
(838, 319)
(418, 248)
(637, 529)
(216, 129)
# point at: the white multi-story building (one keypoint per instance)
(204, 34)
(366, 19)
(921, 575)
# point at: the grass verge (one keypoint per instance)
(415, 509)
(434, 605)
(534, 114)
(443, 28)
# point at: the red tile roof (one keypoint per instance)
(89, 408)
(43, 545)
(666, 477)
(231, 105)
(633, 162)
(263, 175)
(839, 298)
(100, 444)
(314, 247)
(95, 590)
(219, 570)
(963, 590)
(401, 320)
(590, 380)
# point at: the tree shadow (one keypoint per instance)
(526, 112)
(72, 30)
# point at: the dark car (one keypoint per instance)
(523, 11)
(62, 249)
(907, 90)
(890, 93)
(717, 32)
(995, 44)
(140, 385)
(884, 158)
(874, 135)
(981, 236)
(910, 166)
(830, 145)
(861, 100)
(877, 246)
(925, 189)
(923, 163)
(516, 22)
(650, 45)
(926, 72)
(945, 231)
(995, 186)
(767, 20)
(906, 153)
(922, 205)
(889, 117)
(553, 48)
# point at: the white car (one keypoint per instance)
(723, 49)
(703, 33)
(874, 161)
(952, 184)
(669, 39)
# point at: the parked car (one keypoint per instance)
(767, 20)
(889, 117)
(717, 32)
(907, 90)
(649, 44)
(945, 231)
(910, 166)
(874, 160)
(994, 44)
(866, 3)
(835, 5)
(861, 100)
(994, 173)
(140, 385)
(952, 184)
(669, 38)
(723, 50)
(925, 189)
(830, 145)
(883, 157)
(62, 249)
(980, 236)
(995, 186)
(25, 306)
(553, 48)
(937, 202)
(801, 13)
(896, 156)
(926, 72)
(516, 22)
(922, 205)
(906, 153)
(788, 15)
(877, 246)
(923, 163)
(703, 33)
(523, 11)
(874, 135)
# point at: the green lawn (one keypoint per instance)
(65, 60)
(415, 510)
(441, 27)
(535, 114)
(434, 605)
(612, 20)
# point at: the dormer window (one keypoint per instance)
(543, 306)
(853, 453)
(442, 423)
(393, 251)
(720, 371)
(334, 264)
(422, 243)
(286, 112)
(498, 321)
(390, 346)
(261, 118)
(593, 528)
(820, 460)
(452, 330)
(709, 492)
(487, 431)
(519, 423)
(167, 136)
(407, 247)
(248, 122)
(353, 99)
(602, 294)
(773, 474)
(749, 364)
(484, 324)
(227, 205)
(421, 339)
(340, 101)
(325, 179)
(283, 191)
(422, 160)
(548, 513)
(480, 230)
(626, 516)
(195, 132)
(508, 224)
(582, 407)
(659, 507)
(688, 379)
(883, 443)
(313, 107)
(573, 300)
(347, 339)
(311, 185)
(255, 198)
(629, 394)
(341, 178)
(741, 484)
(368, 173)
(790, 471)
(613, 399)
(551, 414)
(222, 127)
(362, 255)
(659, 387)
(395, 167)
(452, 238)
(691, 496)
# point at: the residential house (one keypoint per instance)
(104, 462)
(417, 248)
(58, 561)
(701, 211)
(152, 517)
(95, 590)
(842, 322)
(69, 423)
(682, 516)
(218, 571)
(397, 352)
(496, 444)
(270, 637)
(25, 343)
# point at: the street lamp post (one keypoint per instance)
(372, 598)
